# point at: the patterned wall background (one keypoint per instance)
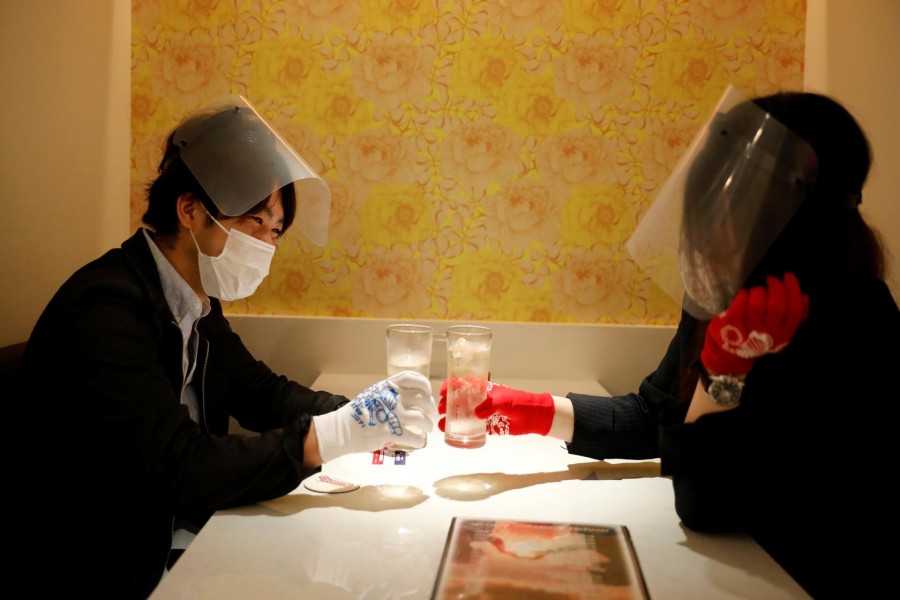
(488, 159)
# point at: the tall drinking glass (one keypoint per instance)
(468, 370)
(409, 348)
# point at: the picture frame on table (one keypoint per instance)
(495, 558)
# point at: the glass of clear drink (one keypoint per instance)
(409, 348)
(468, 371)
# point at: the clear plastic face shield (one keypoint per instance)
(728, 199)
(239, 159)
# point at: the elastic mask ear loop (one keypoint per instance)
(222, 227)
(196, 245)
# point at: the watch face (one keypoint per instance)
(725, 391)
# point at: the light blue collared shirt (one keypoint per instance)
(187, 309)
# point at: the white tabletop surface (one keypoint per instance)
(385, 540)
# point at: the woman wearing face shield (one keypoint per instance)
(785, 427)
(133, 373)
(771, 410)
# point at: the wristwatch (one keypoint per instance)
(724, 390)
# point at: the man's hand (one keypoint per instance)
(381, 414)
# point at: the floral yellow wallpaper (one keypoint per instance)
(488, 159)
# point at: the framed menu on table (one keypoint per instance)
(493, 558)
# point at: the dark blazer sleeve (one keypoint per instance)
(809, 413)
(256, 397)
(627, 426)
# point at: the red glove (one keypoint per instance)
(509, 411)
(758, 321)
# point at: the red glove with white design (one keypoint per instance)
(758, 321)
(509, 411)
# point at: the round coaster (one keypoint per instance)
(320, 482)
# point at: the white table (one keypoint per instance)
(385, 540)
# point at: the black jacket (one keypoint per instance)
(112, 456)
(627, 426)
(805, 464)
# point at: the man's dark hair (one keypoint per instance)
(175, 179)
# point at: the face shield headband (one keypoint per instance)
(240, 160)
(730, 196)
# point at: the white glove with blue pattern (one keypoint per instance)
(397, 410)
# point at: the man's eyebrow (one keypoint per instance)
(269, 212)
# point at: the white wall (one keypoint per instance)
(64, 138)
(852, 53)
(616, 356)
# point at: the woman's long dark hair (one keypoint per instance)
(827, 240)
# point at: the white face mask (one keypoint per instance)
(237, 272)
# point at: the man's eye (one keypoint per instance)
(277, 233)
(258, 220)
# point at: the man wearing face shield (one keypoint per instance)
(770, 408)
(133, 372)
